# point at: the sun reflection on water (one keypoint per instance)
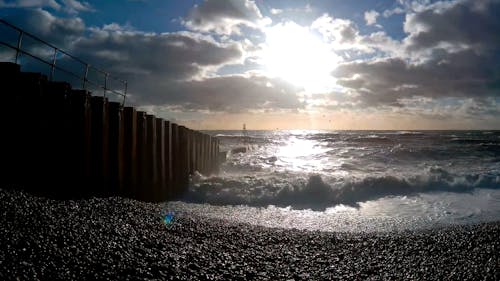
(301, 155)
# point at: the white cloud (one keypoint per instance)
(336, 30)
(343, 35)
(395, 11)
(74, 6)
(224, 17)
(371, 17)
(276, 11)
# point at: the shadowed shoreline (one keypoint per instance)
(116, 238)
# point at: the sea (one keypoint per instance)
(351, 181)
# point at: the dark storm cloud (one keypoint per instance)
(30, 4)
(461, 74)
(170, 56)
(126, 52)
(474, 23)
(55, 30)
(233, 93)
(453, 51)
(68, 6)
(223, 16)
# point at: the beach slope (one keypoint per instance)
(122, 239)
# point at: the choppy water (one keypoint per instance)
(353, 180)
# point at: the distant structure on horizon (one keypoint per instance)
(245, 133)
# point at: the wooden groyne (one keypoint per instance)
(66, 143)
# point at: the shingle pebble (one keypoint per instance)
(122, 239)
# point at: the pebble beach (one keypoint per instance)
(122, 239)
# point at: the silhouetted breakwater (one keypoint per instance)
(65, 143)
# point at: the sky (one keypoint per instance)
(304, 64)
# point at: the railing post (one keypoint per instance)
(53, 65)
(19, 41)
(105, 83)
(84, 85)
(125, 94)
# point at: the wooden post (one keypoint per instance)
(199, 150)
(206, 166)
(192, 149)
(209, 154)
(56, 106)
(189, 154)
(116, 149)
(80, 141)
(160, 160)
(183, 161)
(217, 156)
(151, 178)
(168, 191)
(140, 189)
(99, 145)
(202, 153)
(176, 170)
(212, 155)
(130, 151)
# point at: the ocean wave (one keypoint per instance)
(412, 133)
(472, 140)
(370, 139)
(314, 193)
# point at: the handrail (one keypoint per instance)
(53, 66)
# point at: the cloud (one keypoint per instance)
(463, 74)
(451, 53)
(181, 55)
(74, 7)
(276, 11)
(30, 4)
(168, 70)
(343, 35)
(384, 43)
(55, 30)
(68, 6)
(232, 93)
(445, 55)
(468, 24)
(371, 17)
(336, 30)
(223, 17)
(395, 11)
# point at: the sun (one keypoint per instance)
(296, 55)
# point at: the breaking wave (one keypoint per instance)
(317, 193)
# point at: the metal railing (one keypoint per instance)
(58, 52)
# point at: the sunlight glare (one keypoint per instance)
(293, 53)
(300, 154)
